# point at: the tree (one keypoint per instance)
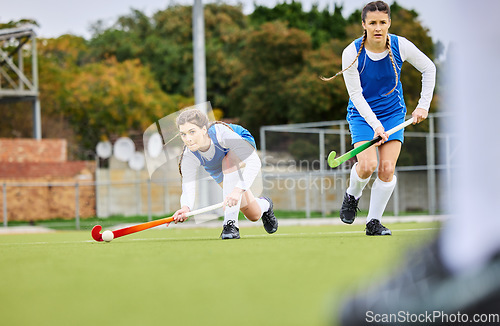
(226, 30)
(114, 99)
(320, 25)
(123, 40)
(164, 43)
(17, 23)
(310, 98)
(59, 60)
(273, 55)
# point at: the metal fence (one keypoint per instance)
(311, 188)
(84, 199)
(436, 165)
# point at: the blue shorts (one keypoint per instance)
(361, 130)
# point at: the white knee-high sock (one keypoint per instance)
(263, 204)
(229, 182)
(356, 184)
(380, 195)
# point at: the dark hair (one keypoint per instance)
(193, 116)
(375, 6)
(370, 7)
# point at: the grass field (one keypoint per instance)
(187, 276)
(110, 221)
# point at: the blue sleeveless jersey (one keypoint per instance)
(214, 166)
(378, 79)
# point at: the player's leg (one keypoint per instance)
(367, 161)
(360, 175)
(251, 208)
(383, 187)
(232, 175)
(255, 208)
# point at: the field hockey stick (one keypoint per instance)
(334, 162)
(96, 230)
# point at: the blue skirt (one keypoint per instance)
(361, 130)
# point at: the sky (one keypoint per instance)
(58, 17)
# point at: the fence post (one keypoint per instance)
(138, 195)
(343, 167)
(292, 192)
(322, 171)
(166, 197)
(322, 157)
(395, 197)
(108, 193)
(431, 168)
(77, 205)
(448, 175)
(308, 196)
(322, 193)
(149, 201)
(4, 188)
(97, 194)
(263, 145)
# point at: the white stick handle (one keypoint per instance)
(205, 209)
(401, 126)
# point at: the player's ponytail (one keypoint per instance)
(340, 72)
(388, 45)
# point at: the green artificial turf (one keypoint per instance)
(185, 276)
(105, 222)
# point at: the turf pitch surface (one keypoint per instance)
(181, 276)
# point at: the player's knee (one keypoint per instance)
(253, 218)
(366, 168)
(386, 171)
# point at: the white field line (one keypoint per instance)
(201, 238)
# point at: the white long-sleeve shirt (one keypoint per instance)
(227, 138)
(409, 52)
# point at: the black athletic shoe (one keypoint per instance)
(230, 231)
(349, 209)
(424, 287)
(374, 227)
(268, 219)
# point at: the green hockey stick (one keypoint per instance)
(334, 162)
